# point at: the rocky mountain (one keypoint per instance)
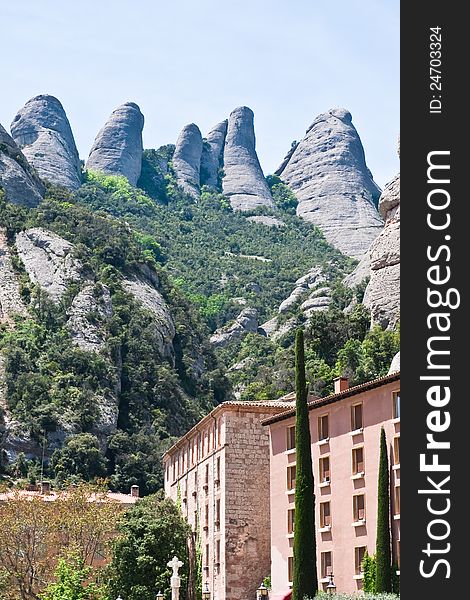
(327, 172)
(17, 178)
(41, 129)
(212, 158)
(117, 149)
(187, 160)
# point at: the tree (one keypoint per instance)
(34, 533)
(150, 534)
(368, 569)
(80, 455)
(305, 581)
(383, 575)
(72, 582)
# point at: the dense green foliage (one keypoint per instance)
(366, 596)
(150, 534)
(383, 558)
(72, 582)
(305, 582)
(369, 568)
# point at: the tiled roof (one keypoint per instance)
(54, 495)
(352, 391)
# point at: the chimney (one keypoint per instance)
(134, 491)
(341, 384)
(45, 488)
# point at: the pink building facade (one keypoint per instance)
(345, 430)
(219, 472)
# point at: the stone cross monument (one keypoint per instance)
(175, 580)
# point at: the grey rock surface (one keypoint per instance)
(41, 129)
(152, 300)
(296, 295)
(266, 220)
(213, 155)
(89, 311)
(117, 149)
(48, 260)
(17, 178)
(243, 180)
(361, 272)
(382, 295)
(11, 302)
(187, 160)
(395, 364)
(328, 174)
(246, 322)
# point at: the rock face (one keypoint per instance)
(246, 322)
(213, 155)
(17, 178)
(48, 260)
(382, 295)
(10, 298)
(90, 309)
(268, 221)
(41, 129)
(328, 174)
(187, 160)
(243, 180)
(152, 300)
(395, 364)
(117, 149)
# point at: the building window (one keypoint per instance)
(397, 500)
(290, 520)
(325, 469)
(217, 553)
(323, 432)
(206, 478)
(290, 569)
(291, 477)
(219, 432)
(356, 416)
(174, 469)
(396, 450)
(325, 514)
(359, 508)
(359, 553)
(217, 512)
(290, 445)
(217, 470)
(326, 564)
(206, 517)
(358, 460)
(207, 556)
(396, 404)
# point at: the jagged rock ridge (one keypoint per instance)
(213, 155)
(117, 149)
(41, 129)
(328, 174)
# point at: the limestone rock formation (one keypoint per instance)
(18, 180)
(11, 302)
(48, 260)
(187, 160)
(246, 322)
(89, 311)
(117, 149)
(328, 174)
(302, 286)
(212, 155)
(41, 129)
(382, 295)
(152, 300)
(243, 180)
(395, 364)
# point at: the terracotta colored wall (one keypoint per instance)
(343, 537)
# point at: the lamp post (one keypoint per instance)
(331, 587)
(262, 591)
(159, 596)
(206, 593)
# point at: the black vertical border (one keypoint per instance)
(422, 132)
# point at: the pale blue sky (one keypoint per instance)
(189, 61)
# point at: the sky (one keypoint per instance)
(185, 61)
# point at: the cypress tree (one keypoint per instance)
(383, 575)
(305, 581)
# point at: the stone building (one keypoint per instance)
(219, 472)
(345, 433)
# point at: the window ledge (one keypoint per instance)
(290, 536)
(360, 576)
(290, 492)
(324, 441)
(358, 523)
(357, 431)
(396, 517)
(324, 580)
(289, 452)
(358, 475)
(396, 420)
(324, 484)
(396, 467)
(325, 529)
